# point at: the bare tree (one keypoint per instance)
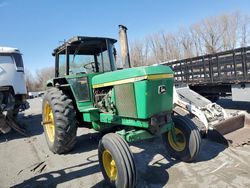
(155, 45)
(230, 23)
(197, 40)
(186, 42)
(172, 47)
(43, 75)
(29, 78)
(211, 32)
(38, 81)
(138, 54)
(211, 35)
(164, 46)
(244, 30)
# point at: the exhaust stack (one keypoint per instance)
(124, 46)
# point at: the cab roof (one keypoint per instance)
(86, 45)
(9, 50)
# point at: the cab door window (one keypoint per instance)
(62, 65)
(5, 59)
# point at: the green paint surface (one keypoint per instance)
(145, 93)
(137, 135)
(130, 73)
(149, 101)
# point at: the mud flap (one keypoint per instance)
(234, 131)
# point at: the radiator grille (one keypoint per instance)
(125, 100)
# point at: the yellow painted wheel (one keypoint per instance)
(180, 143)
(109, 165)
(116, 161)
(59, 121)
(49, 122)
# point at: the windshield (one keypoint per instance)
(81, 64)
(5, 59)
(82, 60)
(12, 58)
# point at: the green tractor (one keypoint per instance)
(125, 105)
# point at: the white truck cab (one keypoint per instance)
(13, 92)
(12, 88)
(12, 71)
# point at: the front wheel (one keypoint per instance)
(116, 161)
(183, 142)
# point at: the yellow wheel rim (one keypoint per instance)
(48, 122)
(180, 143)
(109, 165)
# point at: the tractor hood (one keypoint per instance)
(132, 75)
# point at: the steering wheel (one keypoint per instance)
(87, 66)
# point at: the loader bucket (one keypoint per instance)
(234, 131)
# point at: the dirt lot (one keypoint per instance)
(27, 162)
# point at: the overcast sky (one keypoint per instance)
(36, 27)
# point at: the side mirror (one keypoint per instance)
(115, 53)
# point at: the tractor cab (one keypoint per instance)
(85, 55)
(77, 61)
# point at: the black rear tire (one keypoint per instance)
(116, 161)
(188, 140)
(62, 137)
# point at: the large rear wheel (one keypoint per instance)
(116, 161)
(59, 121)
(183, 142)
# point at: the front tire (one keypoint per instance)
(59, 121)
(186, 145)
(116, 161)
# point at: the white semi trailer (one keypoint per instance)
(12, 85)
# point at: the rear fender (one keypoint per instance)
(62, 84)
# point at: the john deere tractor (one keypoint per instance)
(125, 105)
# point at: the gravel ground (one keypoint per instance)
(27, 162)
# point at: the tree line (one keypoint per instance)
(218, 33)
(37, 81)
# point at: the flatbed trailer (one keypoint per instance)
(218, 74)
